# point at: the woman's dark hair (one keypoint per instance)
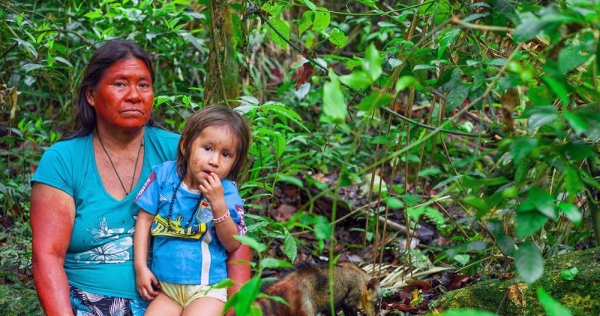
(104, 57)
(215, 115)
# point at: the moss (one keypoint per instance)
(513, 297)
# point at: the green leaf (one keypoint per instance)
(528, 223)
(540, 115)
(572, 56)
(478, 203)
(416, 212)
(405, 82)
(242, 300)
(289, 179)
(334, 106)
(290, 248)
(273, 263)
(337, 38)
(550, 305)
(456, 97)
(578, 123)
(505, 243)
(372, 62)
(394, 202)
(571, 212)
(521, 147)
(322, 19)
(358, 79)
(543, 202)
(374, 101)
(283, 29)
(411, 199)
(305, 22)
(530, 26)
(251, 242)
(529, 262)
(569, 274)
(428, 172)
(467, 312)
(309, 4)
(368, 3)
(573, 182)
(558, 88)
(322, 228)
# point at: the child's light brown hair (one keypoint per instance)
(215, 115)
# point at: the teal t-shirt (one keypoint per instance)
(100, 255)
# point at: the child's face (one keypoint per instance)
(213, 151)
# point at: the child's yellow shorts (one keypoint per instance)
(184, 294)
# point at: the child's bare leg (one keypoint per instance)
(205, 306)
(162, 305)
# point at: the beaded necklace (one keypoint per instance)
(171, 208)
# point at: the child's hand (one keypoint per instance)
(146, 284)
(212, 189)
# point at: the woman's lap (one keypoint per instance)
(88, 304)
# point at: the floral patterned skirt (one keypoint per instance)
(90, 304)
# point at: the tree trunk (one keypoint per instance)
(222, 83)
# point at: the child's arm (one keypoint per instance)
(212, 189)
(144, 278)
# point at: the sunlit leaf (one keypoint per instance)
(337, 38)
(552, 306)
(372, 62)
(529, 262)
(284, 33)
(309, 4)
(305, 22)
(357, 79)
(558, 88)
(322, 19)
(571, 212)
(374, 101)
(578, 123)
(569, 274)
(322, 228)
(334, 106)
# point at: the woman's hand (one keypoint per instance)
(146, 283)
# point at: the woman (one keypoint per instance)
(82, 209)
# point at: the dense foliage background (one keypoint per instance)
(426, 134)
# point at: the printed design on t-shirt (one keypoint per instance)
(241, 226)
(179, 227)
(113, 251)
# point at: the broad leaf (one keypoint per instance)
(528, 223)
(543, 202)
(521, 147)
(529, 262)
(372, 62)
(550, 305)
(334, 106)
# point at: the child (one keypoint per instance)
(192, 209)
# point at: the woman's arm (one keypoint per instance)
(52, 218)
(239, 272)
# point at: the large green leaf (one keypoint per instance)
(550, 305)
(284, 29)
(543, 202)
(528, 223)
(573, 56)
(521, 147)
(540, 115)
(334, 106)
(322, 18)
(372, 62)
(456, 97)
(529, 262)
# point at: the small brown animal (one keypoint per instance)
(306, 290)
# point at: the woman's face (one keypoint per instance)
(124, 95)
